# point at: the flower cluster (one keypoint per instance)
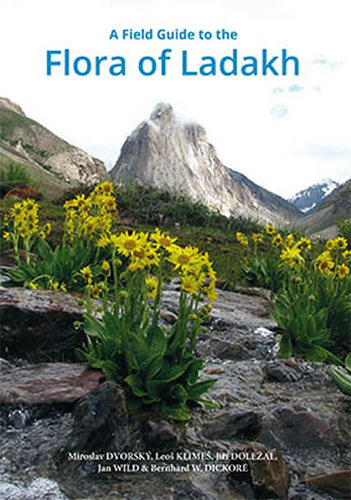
(296, 254)
(147, 250)
(335, 260)
(242, 239)
(87, 218)
(22, 224)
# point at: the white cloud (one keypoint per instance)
(98, 113)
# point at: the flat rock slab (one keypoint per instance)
(39, 301)
(47, 383)
(337, 484)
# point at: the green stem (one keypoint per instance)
(115, 278)
(157, 301)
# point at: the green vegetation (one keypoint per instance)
(14, 173)
(310, 283)
(152, 207)
(311, 287)
(344, 229)
(9, 121)
(342, 379)
(303, 320)
(158, 367)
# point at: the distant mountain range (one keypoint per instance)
(167, 154)
(50, 160)
(335, 206)
(308, 200)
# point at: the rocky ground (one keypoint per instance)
(283, 429)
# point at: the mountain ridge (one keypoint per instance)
(308, 200)
(52, 159)
(164, 153)
(335, 206)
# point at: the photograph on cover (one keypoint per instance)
(175, 249)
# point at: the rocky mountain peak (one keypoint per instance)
(163, 112)
(309, 199)
(169, 154)
(11, 106)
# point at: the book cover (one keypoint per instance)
(175, 250)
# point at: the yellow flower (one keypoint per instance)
(185, 258)
(6, 236)
(241, 238)
(304, 243)
(32, 286)
(289, 241)
(330, 244)
(257, 237)
(277, 240)
(63, 287)
(346, 254)
(104, 241)
(104, 187)
(162, 239)
(292, 256)
(87, 273)
(55, 285)
(270, 229)
(81, 201)
(105, 266)
(110, 204)
(146, 256)
(134, 266)
(324, 263)
(69, 204)
(340, 243)
(190, 284)
(211, 294)
(126, 243)
(151, 284)
(343, 271)
(96, 291)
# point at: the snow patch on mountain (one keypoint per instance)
(308, 200)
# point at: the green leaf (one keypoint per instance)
(157, 340)
(151, 366)
(348, 362)
(179, 393)
(135, 383)
(315, 353)
(45, 250)
(174, 372)
(193, 371)
(196, 390)
(208, 404)
(93, 327)
(155, 388)
(342, 380)
(285, 348)
(129, 354)
(176, 412)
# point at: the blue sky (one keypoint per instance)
(284, 133)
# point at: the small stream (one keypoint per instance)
(266, 403)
